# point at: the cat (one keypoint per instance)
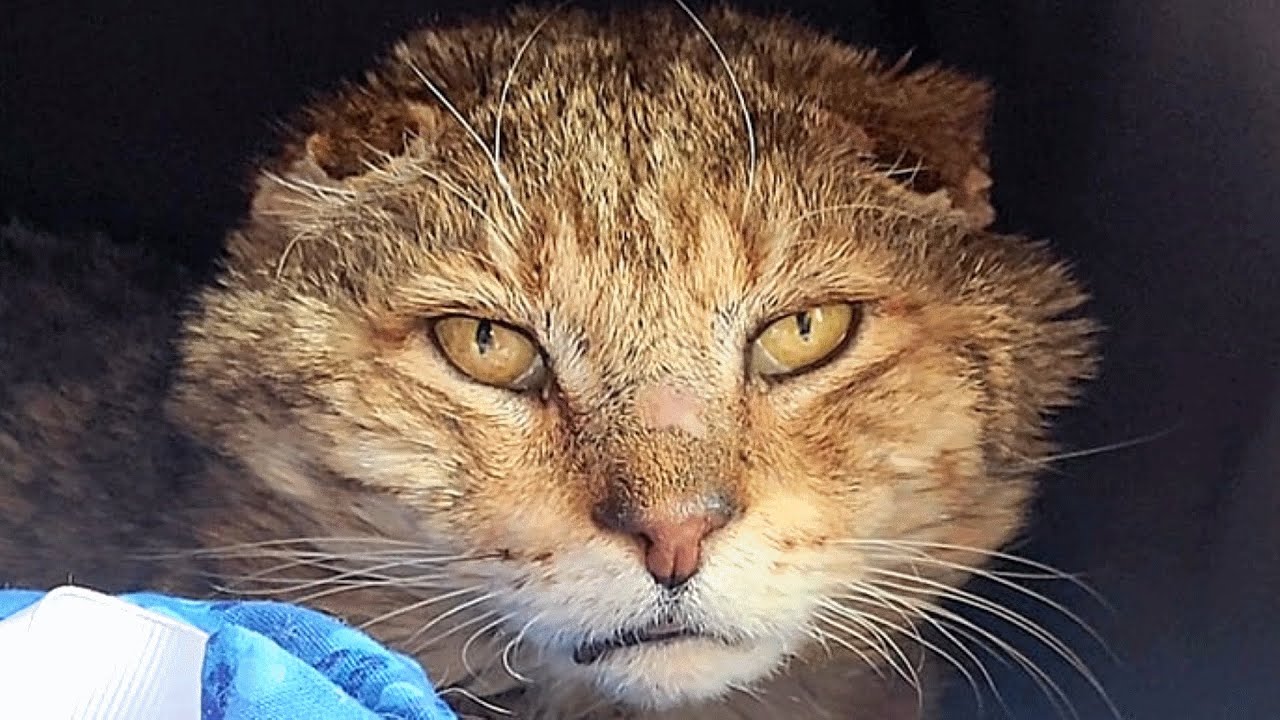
(614, 364)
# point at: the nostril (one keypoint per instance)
(674, 551)
(670, 541)
(673, 545)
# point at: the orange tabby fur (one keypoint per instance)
(636, 226)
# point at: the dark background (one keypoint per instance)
(1142, 137)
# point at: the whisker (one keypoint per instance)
(223, 551)
(344, 566)
(307, 541)
(737, 89)
(441, 617)
(826, 618)
(457, 191)
(882, 599)
(753, 693)
(312, 189)
(1099, 449)
(820, 636)
(466, 646)
(866, 624)
(294, 240)
(1026, 592)
(274, 577)
(410, 582)
(1017, 620)
(484, 147)
(510, 646)
(366, 585)
(995, 609)
(391, 615)
(907, 671)
(346, 574)
(909, 631)
(265, 575)
(850, 207)
(1007, 557)
(1052, 691)
(914, 551)
(325, 555)
(339, 577)
(511, 72)
(416, 172)
(456, 690)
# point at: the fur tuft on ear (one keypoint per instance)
(287, 183)
(343, 136)
(355, 127)
(930, 127)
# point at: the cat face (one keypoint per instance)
(684, 396)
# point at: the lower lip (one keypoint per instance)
(587, 655)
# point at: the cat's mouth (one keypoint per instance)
(656, 634)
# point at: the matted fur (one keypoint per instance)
(646, 205)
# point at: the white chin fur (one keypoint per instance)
(686, 671)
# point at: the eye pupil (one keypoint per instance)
(804, 324)
(484, 336)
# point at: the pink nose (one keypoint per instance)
(674, 546)
(672, 543)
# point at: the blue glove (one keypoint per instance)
(274, 661)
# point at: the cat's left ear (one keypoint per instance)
(351, 133)
(928, 127)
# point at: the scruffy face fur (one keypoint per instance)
(640, 208)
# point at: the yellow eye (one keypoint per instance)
(801, 340)
(490, 352)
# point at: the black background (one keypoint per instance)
(1143, 138)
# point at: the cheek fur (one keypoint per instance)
(481, 466)
(887, 459)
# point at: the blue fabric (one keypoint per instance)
(273, 661)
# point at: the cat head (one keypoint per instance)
(678, 341)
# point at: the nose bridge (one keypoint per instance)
(668, 479)
(652, 468)
(666, 406)
(716, 503)
(670, 438)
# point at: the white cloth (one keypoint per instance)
(77, 654)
